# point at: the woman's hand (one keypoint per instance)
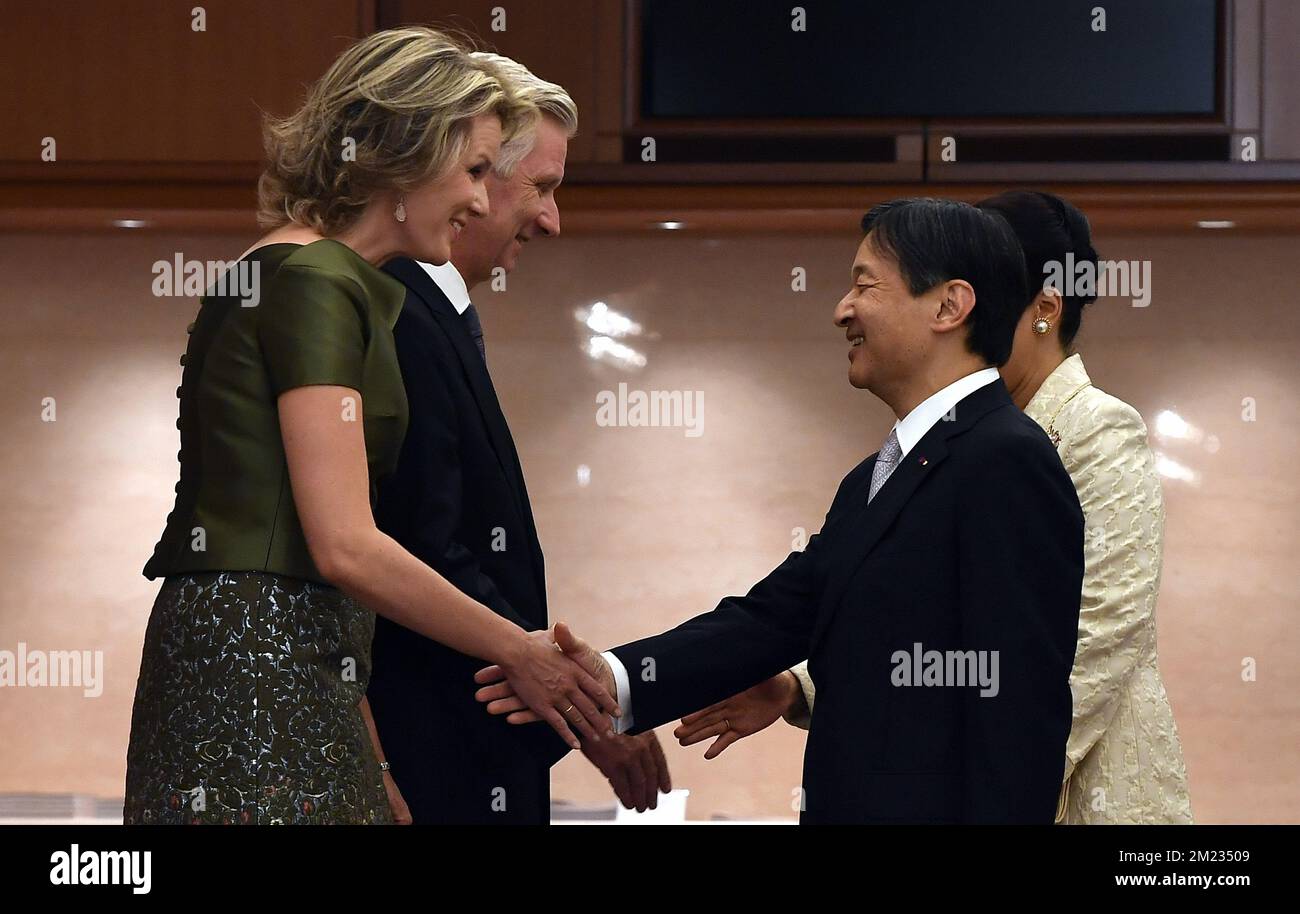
(740, 715)
(556, 688)
(401, 812)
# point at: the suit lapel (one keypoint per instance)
(864, 531)
(422, 287)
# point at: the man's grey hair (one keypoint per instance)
(548, 98)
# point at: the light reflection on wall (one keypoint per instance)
(601, 327)
(1171, 427)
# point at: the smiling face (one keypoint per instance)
(439, 211)
(886, 326)
(523, 206)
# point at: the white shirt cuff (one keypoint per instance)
(623, 690)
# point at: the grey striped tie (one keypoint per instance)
(886, 462)
(476, 330)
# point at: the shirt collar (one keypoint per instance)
(912, 427)
(448, 279)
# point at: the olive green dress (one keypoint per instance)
(246, 708)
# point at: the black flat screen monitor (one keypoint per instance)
(929, 59)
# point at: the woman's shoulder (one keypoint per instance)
(325, 254)
(324, 259)
(1092, 411)
(328, 272)
(1073, 410)
(1098, 430)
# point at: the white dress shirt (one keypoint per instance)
(910, 429)
(448, 279)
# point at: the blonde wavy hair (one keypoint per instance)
(392, 113)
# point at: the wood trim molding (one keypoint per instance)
(697, 208)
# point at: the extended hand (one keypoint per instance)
(741, 715)
(502, 696)
(635, 766)
(554, 687)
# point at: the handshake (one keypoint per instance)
(560, 679)
(557, 677)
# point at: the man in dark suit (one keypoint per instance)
(939, 604)
(457, 501)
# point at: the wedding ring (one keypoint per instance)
(565, 712)
(726, 723)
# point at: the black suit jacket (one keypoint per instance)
(975, 543)
(457, 501)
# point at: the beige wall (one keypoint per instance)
(667, 523)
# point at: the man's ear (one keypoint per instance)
(956, 301)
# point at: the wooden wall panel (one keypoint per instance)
(557, 41)
(131, 81)
(710, 210)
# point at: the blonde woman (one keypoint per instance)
(250, 702)
(1124, 761)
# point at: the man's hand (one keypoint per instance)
(741, 715)
(635, 766)
(500, 695)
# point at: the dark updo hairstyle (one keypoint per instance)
(1048, 228)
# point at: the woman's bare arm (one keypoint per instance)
(324, 444)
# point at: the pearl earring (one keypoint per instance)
(400, 213)
(1042, 325)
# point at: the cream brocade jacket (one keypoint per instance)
(1124, 762)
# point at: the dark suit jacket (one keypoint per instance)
(974, 543)
(457, 502)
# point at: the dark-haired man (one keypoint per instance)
(939, 604)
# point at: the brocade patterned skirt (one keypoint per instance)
(246, 706)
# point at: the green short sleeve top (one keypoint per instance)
(318, 314)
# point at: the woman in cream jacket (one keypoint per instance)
(1124, 762)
